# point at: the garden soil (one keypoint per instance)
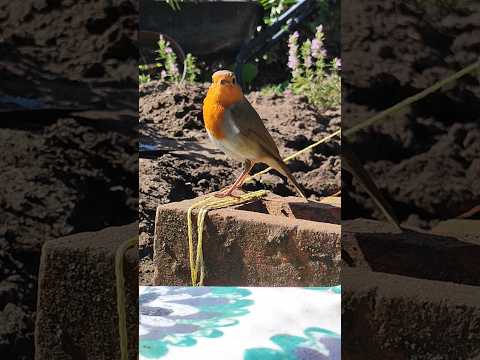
(61, 174)
(179, 162)
(425, 159)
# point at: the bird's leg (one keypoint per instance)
(247, 166)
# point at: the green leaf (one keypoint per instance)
(249, 72)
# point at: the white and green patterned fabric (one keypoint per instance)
(219, 323)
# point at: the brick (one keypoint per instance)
(380, 247)
(271, 242)
(386, 316)
(76, 308)
(403, 291)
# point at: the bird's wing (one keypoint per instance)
(250, 124)
(254, 133)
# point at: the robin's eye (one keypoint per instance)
(233, 81)
(223, 81)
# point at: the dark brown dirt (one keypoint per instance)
(63, 178)
(186, 165)
(426, 157)
(61, 175)
(425, 160)
(70, 53)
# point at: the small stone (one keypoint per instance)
(203, 183)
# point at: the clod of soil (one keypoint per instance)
(184, 163)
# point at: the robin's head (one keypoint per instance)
(224, 78)
(224, 88)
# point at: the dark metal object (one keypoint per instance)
(268, 37)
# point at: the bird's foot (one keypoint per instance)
(225, 193)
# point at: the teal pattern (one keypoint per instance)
(334, 289)
(318, 344)
(203, 313)
(219, 323)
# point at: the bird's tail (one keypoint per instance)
(352, 164)
(280, 165)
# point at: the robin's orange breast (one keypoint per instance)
(219, 98)
(213, 114)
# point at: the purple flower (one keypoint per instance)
(174, 69)
(292, 62)
(292, 51)
(307, 61)
(306, 51)
(318, 51)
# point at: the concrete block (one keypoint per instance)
(408, 295)
(77, 309)
(387, 316)
(271, 242)
(380, 247)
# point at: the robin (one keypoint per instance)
(236, 128)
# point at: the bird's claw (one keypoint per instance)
(226, 194)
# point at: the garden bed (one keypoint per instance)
(182, 164)
(411, 294)
(84, 180)
(425, 159)
(61, 174)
